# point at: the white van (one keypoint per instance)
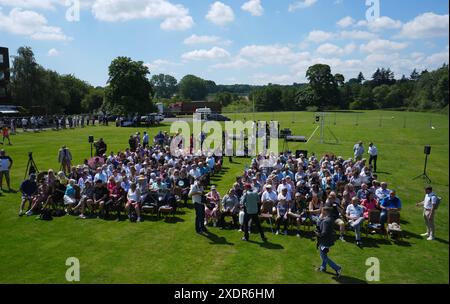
(204, 113)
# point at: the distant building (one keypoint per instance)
(5, 95)
(10, 111)
(189, 107)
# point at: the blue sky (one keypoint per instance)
(230, 41)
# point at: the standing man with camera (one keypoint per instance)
(5, 166)
(65, 159)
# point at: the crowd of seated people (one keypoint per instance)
(125, 182)
(295, 190)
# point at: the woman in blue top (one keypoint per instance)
(70, 195)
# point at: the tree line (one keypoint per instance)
(325, 91)
(130, 90)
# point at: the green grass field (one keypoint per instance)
(156, 251)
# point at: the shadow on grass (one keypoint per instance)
(217, 240)
(173, 219)
(382, 172)
(375, 241)
(441, 240)
(348, 280)
(409, 234)
(267, 245)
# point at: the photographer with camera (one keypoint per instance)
(65, 159)
(100, 147)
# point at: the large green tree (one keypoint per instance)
(24, 77)
(268, 98)
(77, 90)
(324, 85)
(226, 98)
(165, 86)
(306, 97)
(93, 100)
(128, 90)
(193, 88)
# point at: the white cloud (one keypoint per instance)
(195, 39)
(438, 59)
(425, 26)
(382, 58)
(31, 24)
(254, 7)
(357, 35)
(417, 56)
(271, 54)
(235, 63)
(382, 46)
(220, 14)
(334, 50)
(380, 24)
(319, 36)
(161, 65)
(301, 5)
(346, 22)
(37, 4)
(214, 53)
(176, 16)
(264, 79)
(53, 52)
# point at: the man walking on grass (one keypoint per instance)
(325, 240)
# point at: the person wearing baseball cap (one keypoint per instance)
(250, 200)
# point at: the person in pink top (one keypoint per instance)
(370, 203)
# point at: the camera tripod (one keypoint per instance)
(31, 166)
(424, 174)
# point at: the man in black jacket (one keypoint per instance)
(325, 240)
(100, 147)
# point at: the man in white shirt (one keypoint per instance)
(355, 215)
(196, 194)
(429, 210)
(285, 184)
(382, 192)
(100, 175)
(194, 172)
(373, 153)
(269, 195)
